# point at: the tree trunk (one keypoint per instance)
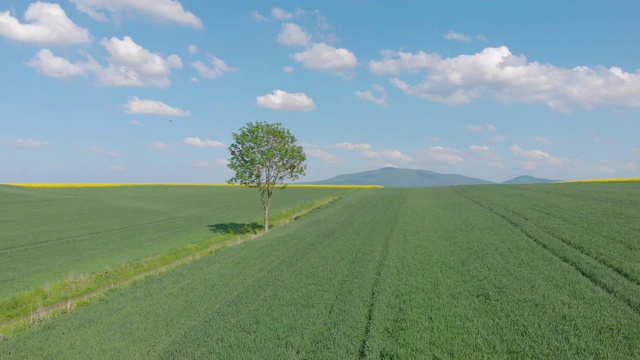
(266, 219)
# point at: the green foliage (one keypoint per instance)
(390, 273)
(264, 155)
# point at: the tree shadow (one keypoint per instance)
(236, 228)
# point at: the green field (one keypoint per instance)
(534, 271)
(49, 234)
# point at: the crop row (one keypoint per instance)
(394, 273)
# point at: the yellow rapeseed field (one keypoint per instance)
(92, 185)
(603, 180)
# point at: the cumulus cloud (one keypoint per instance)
(281, 100)
(452, 35)
(323, 57)
(481, 128)
(218, 68)
(496, 73)
(195, 141)
(193, 49)
(160, 146)
(160, 10)
(353, 147)
(532, 159)
(132, 65)
(129, 64)
(395, 62)
(141, 106)
(49, 24)
(30, 143)
(320, 154)
(439, 154)
(293, 35)
(278, 14)
(479, 149)
(54, 66)
(102, 152)
(388, 155)
(368, 95)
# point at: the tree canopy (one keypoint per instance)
(264, 155)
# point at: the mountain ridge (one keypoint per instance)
(399, 177)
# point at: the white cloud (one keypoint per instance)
(129, 64)
(479, 149)
(325, 156)
(496, 73)
(224, 162)
(140, 106)
(53, 66)
(218, 69)
(135, 123)
(132, 65)
(439, 154)
(195, 141)
(259, 17)
(452, 35)
(160, 146)
(117, 168)
(49, 24)
(353, 147)
(388, 155)
(193, 49)
(281, 100)
(102, 152)
(288, 69)
(532, 159)
(160, 10)
(323, 57)
(368, 95)
(481, 128)
(395, 62)
(29, 143)
(278, 14)
(293, 35)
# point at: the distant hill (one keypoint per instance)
(525, 179)
(393, 177)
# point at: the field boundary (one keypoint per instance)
(85, 294)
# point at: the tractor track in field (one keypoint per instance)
(384, 254)
(619, 278)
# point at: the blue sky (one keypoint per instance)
(151, 90)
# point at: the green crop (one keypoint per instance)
(53, 235)
(459, 272)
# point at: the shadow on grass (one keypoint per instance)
(236, 228)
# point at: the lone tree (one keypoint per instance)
(263, 155)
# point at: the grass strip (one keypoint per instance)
(29, 308)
